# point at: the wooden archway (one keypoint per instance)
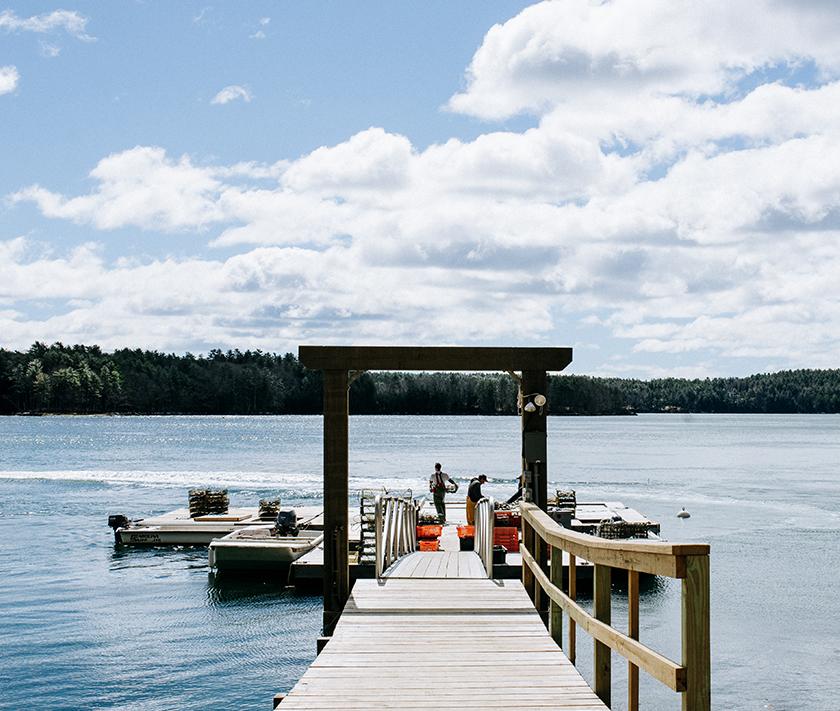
(337, 362)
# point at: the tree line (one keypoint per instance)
(84, 379)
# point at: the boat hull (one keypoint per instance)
(242, 550)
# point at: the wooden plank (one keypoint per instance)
(379, 656)
(601, 608)
(696, 638)
(433, 358)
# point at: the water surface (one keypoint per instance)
(87, 625)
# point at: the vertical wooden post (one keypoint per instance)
(602, 611)
(541, 603)
(534, 435)
(696, 635)
(557, 580)
(633, 633)
(336, 563)
(572, 650)
(527, 576)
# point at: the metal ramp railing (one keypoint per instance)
(396, 529)
(484, 523)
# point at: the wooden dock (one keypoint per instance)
(434, 637)
(441, 643)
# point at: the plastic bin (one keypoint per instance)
(466, 543)
(466, 531)
(427, 545)
(499, 553)
(429, 532)
(508, 537)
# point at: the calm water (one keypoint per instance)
(84, 625)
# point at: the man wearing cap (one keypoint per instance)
(473, 497)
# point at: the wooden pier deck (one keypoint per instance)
(441, 642)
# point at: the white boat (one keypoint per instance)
(257, 548)
(178, 528)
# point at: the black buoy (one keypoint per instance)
(683, 513)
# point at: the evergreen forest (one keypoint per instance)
(84, 379)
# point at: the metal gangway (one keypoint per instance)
(396, 544)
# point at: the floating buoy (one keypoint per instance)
(683, 513)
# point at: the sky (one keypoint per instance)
(655, 183)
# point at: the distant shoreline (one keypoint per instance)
(381, 414)
(81, 379)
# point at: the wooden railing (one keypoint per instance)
(544, 540)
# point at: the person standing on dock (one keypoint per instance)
(474, 496)
(439, 484)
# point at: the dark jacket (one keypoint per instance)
(474, 492)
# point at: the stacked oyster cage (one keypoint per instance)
(269, 508)
(623, 529)
(563, 510)
(208, 501)
(566, 498)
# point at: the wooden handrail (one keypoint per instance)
(657, 558)
(689, 562)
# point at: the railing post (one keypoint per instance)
(378, 552)
(602, 611)
(556, 615)
(571, 652)
(696, 636)
(542, 561)
(527, 575)
(633, 633)
(535, 549)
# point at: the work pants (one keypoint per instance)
(470, 512)
(440, 505)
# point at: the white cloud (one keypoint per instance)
(572, 52)
(656, 198)
(140, 187)
(9, 79)
(230, 93)
(69, 21)
(260, 33)
(50, 50)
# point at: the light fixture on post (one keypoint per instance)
(535, 400)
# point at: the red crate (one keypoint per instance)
(466, 531)
(507, 536)
(429, 532)
(427, 546)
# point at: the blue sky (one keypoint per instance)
(653, 183)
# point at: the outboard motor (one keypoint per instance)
(116, 521)
(286, 523)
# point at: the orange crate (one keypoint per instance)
(428, 532)
(508, 537)
(429, 545)
(466, 531)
